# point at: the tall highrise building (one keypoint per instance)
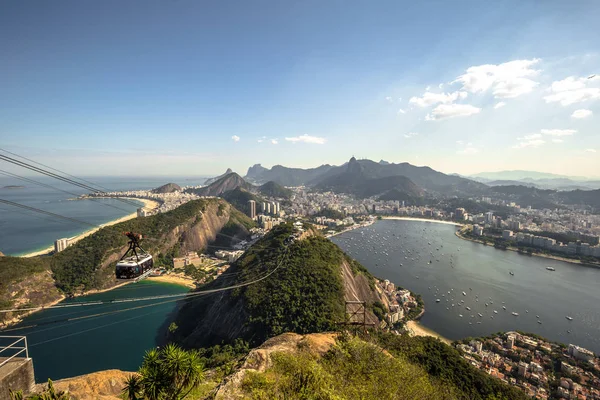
(252, 208)
(268, 211)
(61, 244)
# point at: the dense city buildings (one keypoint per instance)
(540, 368)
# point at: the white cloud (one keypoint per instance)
(557, 140)
(582, 113)
(532, 136)
(401, 111)
(261, 139)
(459, 142)
(500, 104)
(572, 90)
(528, 143)
(441, 85)
(443, 111)
(389, 98)
(429, 98)
(274, 141)
(591, 150)
(468, 150)
(306, 139)
(235, 138)
(428, 88)
(410, 135)
(507, 80)
(559, 132)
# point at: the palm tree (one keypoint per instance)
(170, 373)
(133, 388)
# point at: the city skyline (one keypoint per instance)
(190, 89)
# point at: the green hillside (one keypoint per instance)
(304, 293)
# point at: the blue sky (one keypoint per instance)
(193, 87)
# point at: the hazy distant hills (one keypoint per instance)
(339, 176)
(274, 189)
(216, 178)
(518, 175)
(168, 188)
(541, 180)
(223, 184)
(285, 176)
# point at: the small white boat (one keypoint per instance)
(481, 315)
(504, 307)
(468, 308)
(495, 312)
(516, 314)
(437, 300)
(569, 318)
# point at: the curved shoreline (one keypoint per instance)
(415, 328)
(542, 255)
(437, 221)
(151, 204)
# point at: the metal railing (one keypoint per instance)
(17, 349)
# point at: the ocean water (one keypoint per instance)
(23, 231)
(97, 337)
(401, 251)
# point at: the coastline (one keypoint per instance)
(174, 279)
(437, 221)
(542, 255)
(416, 329)
(150, 204)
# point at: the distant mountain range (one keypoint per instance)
(340, 177)
(359, 180)
(216, 178)
(541, 180)
(519, 175)
(388, 181)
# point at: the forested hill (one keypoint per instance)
(305, 292)
(89, 264)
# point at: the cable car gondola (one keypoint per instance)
(133, 263)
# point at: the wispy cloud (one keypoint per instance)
(557, 140)
(591, 150)
(444, 111)
(261, 139)
(559, 132)
(430, 99)
(572, 90)
(498, 105)
(235, 138)
(306, 139)
(532, 140)
(389, 99)
(274, 141)
(582, 113)
(410, 135)
(508, 80)
(401, 111)
(468, 150)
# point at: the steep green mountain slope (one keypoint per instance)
(303, 290)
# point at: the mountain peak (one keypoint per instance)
(229, 170)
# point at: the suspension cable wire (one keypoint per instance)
(24, 179)
(59, 177)
(147, 298)
(57, 170)
(189, 297)
(11, 203)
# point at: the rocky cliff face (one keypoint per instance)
(192, 235)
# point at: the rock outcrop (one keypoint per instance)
(259, 359)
